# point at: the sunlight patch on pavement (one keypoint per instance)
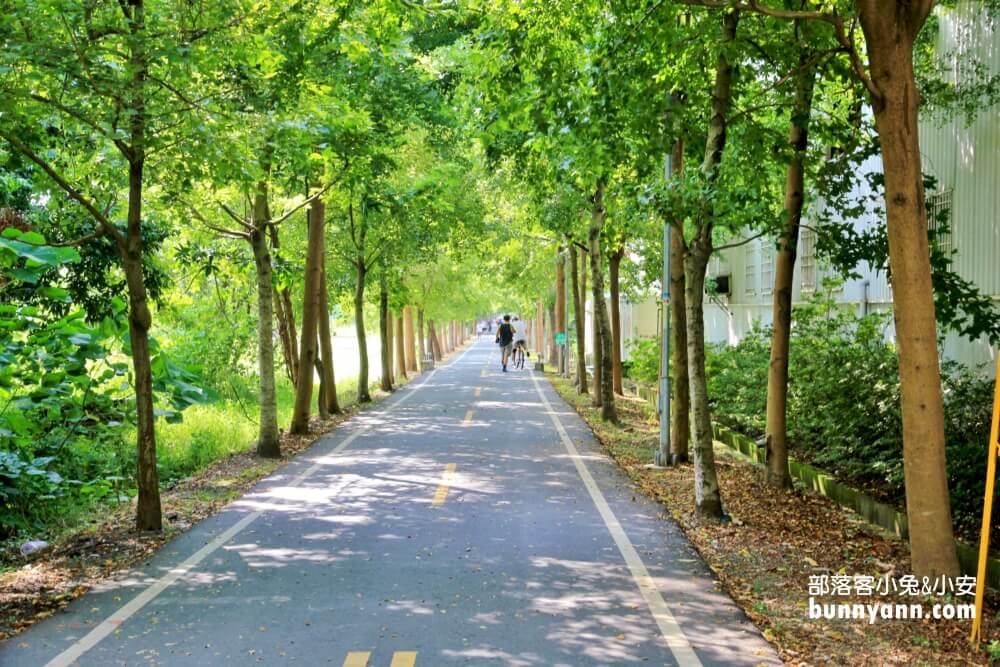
(442, 491)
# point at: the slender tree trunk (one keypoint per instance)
(602, 386)
(359, 323)
(400, 339)
(310, 315)
(553, 355)
(148, 510)
(614, 271)
(584, 270)
(287, 344)
(435, 344)
(324, 414)
(420, 333)
(267, 431)
(889, 35)
(580, 321)
(329, 380)
(385, 335)
(708, 500)
(680, 424)
(540, 331)
(282, 301)
(293, 336)
(561, 307)
(409, 339)
(598, 355)
(776, 437)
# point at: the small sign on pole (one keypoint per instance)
(560, 338)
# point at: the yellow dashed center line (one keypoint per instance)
(442, 491)
(468, 417)
(357, 659)
(478, 391)
(482, 373)
(404, 659)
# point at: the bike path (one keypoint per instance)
(470, 519)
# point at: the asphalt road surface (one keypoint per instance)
(470, 519)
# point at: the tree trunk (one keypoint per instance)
(540, 328)
(435, 344)
(268, 444)
(598, 355)
(889, 36)
(148, 510)
(708, 500)
(328, 376)
(580, 321)
(399, 338)
(553, 355)
(681, 404)
(310, 314)
(614, 269)
(359, 324)
(776, 434)
(561, 308)
(293, 336)
(385, 335)
(324, 414)
(420, 333)
(603, 328)
(409, 339)
(287, 343)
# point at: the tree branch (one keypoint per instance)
(728, 246)
(840, 31)
(74, 194)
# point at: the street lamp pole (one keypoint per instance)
(662, 456)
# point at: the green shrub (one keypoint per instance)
(644, 365)
(843, 403)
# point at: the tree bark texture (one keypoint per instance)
(410, 341)
(268, 444)
(330, 399)
(561, 307)
(420, 333)
(614, 276)
(708, 500)
(580, 321)
(310, 313)
(434, 342)
(776, 431)
(603, 325)
(680, 423)
(385, 336)
(890, 33)
(399, 337)
(359, 324)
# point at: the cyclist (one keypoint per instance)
(520, 341)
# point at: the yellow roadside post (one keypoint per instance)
(984, 540)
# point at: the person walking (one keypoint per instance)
(505, 339)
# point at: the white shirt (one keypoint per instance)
(520, 330)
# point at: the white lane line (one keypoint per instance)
(123, 613)
(678, 643)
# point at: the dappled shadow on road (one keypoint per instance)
(500, 560)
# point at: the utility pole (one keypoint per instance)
(662, 456)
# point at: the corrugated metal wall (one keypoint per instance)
(965, 159)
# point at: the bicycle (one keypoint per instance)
(518, 354)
